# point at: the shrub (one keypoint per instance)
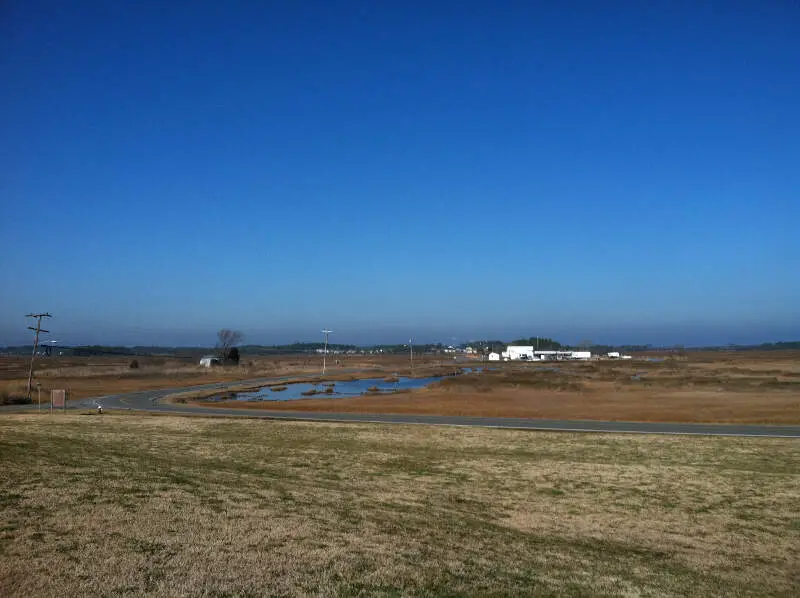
(9, 399)
(134, 364)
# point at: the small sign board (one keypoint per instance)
(58, 398)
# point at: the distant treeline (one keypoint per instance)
(97, 350)
(481, 346)
(779, 346)
(293, 348)
(541, 343)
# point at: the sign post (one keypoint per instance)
(58, 398)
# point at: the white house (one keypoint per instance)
(209, 360)
(581, 355)
(494, 356)
(613, 355)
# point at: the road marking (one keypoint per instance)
(510, 426)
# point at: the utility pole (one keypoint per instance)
(411, 348)
(325, 350)
(37, 330)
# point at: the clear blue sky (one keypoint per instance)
(617, 171)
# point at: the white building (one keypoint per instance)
(527, 353)
(517, 352)
(494, 356)
(613, 354)
(209, 360)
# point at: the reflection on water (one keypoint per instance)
(336, 389)
(330, 390)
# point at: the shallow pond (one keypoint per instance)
(334, 389)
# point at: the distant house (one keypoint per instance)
(613, 355)
(209, 360)
(494, 356)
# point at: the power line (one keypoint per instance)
(37, 330)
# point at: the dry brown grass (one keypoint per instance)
(96, 376)
(349, 509)
(733, 387)
(692, 406)
(738, 388)
(171, 506)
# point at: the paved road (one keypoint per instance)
(151, 400)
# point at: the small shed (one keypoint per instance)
(494, 356)
(209, 360)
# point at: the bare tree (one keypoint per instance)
(226, 340)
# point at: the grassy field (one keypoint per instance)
(714, 386)
(757, 387)
(169, 506)
(95, 376)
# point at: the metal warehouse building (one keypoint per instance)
(528, 353)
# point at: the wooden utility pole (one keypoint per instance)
(37, 330)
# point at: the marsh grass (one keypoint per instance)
(193, 506)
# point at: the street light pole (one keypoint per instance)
(325, 350)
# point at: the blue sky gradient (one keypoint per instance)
(622, 171)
